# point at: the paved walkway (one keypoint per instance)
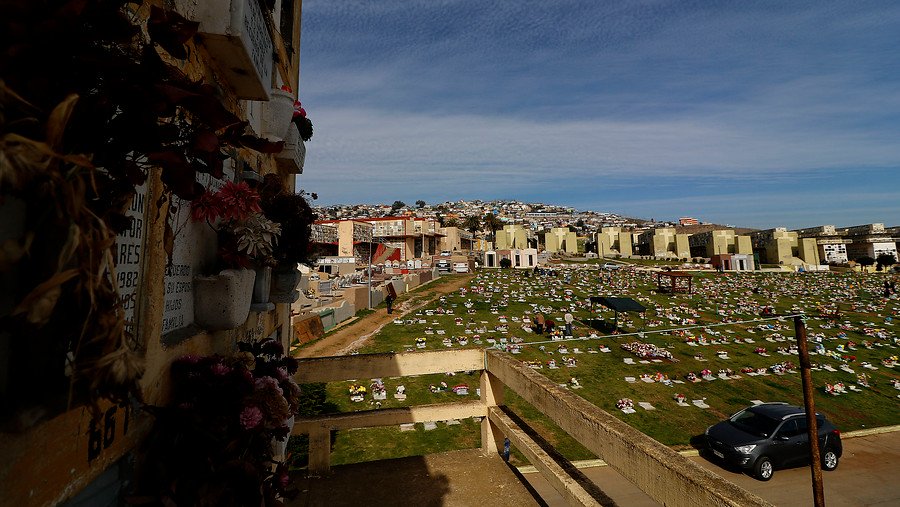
(450, 479)
(867, 476)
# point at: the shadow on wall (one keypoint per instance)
(365, 484)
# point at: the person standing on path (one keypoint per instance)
(569, 319)
(539, 323)
(389, 301)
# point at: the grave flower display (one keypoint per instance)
(624, 404)
(212, 444)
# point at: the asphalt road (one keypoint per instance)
(868, 475)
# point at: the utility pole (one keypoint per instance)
(812, 424)
(369, 266)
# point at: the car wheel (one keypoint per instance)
(763, 469)
(829, 460)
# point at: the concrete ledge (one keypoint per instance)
(390, 417)
(328, 369)
(870, 431)
(659, 471)
(569, 488)
(591, 463)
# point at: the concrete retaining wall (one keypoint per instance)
(659, 471)
(328, 369)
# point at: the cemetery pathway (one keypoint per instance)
(354, 335)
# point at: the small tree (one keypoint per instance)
(398, 205)
(420, 204)
(886, 260)
(865, 261)
(505, 263)
(472, 224)
(492, 224)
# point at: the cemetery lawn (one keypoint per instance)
(865, 329)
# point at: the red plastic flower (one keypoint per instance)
(206, 208)
(238, 201)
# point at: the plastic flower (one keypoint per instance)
(238, 201)
(250, 417)
(206, 208)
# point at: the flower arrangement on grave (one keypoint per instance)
(889, 361)
(679, 398)
(304, 125)
(246, 236)
(847, 358)
(760, 350)
(646, 376)
(691, 377)
(624, 404)
(747, 369)
(212, 444)
(293, 213)
(660, 377)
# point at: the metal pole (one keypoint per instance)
(369, 267)
(806, 376)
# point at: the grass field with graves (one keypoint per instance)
(712, 348)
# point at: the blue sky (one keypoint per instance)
(749, 113)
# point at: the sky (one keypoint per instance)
(749, 113)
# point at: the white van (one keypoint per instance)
(460, 267)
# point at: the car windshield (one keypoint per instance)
(753, 423)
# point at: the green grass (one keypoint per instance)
(735, 296)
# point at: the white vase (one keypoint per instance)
(223, 301)
(279, 447)
(277, 115)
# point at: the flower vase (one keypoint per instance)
(277, 115)
(284, 285)
(279, 447)
(261, 288)
(223, 301)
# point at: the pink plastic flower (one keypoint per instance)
(220, 369)
(250, 417)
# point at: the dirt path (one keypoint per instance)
(354, 335)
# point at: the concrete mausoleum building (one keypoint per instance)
(780, 246)
(612, 241)
(455, 239)
(843, 244)
(511, 236)
(525, 258)
(870, 240)
(664, 242)
(831, 242)
(719, 242)
(561, 239)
